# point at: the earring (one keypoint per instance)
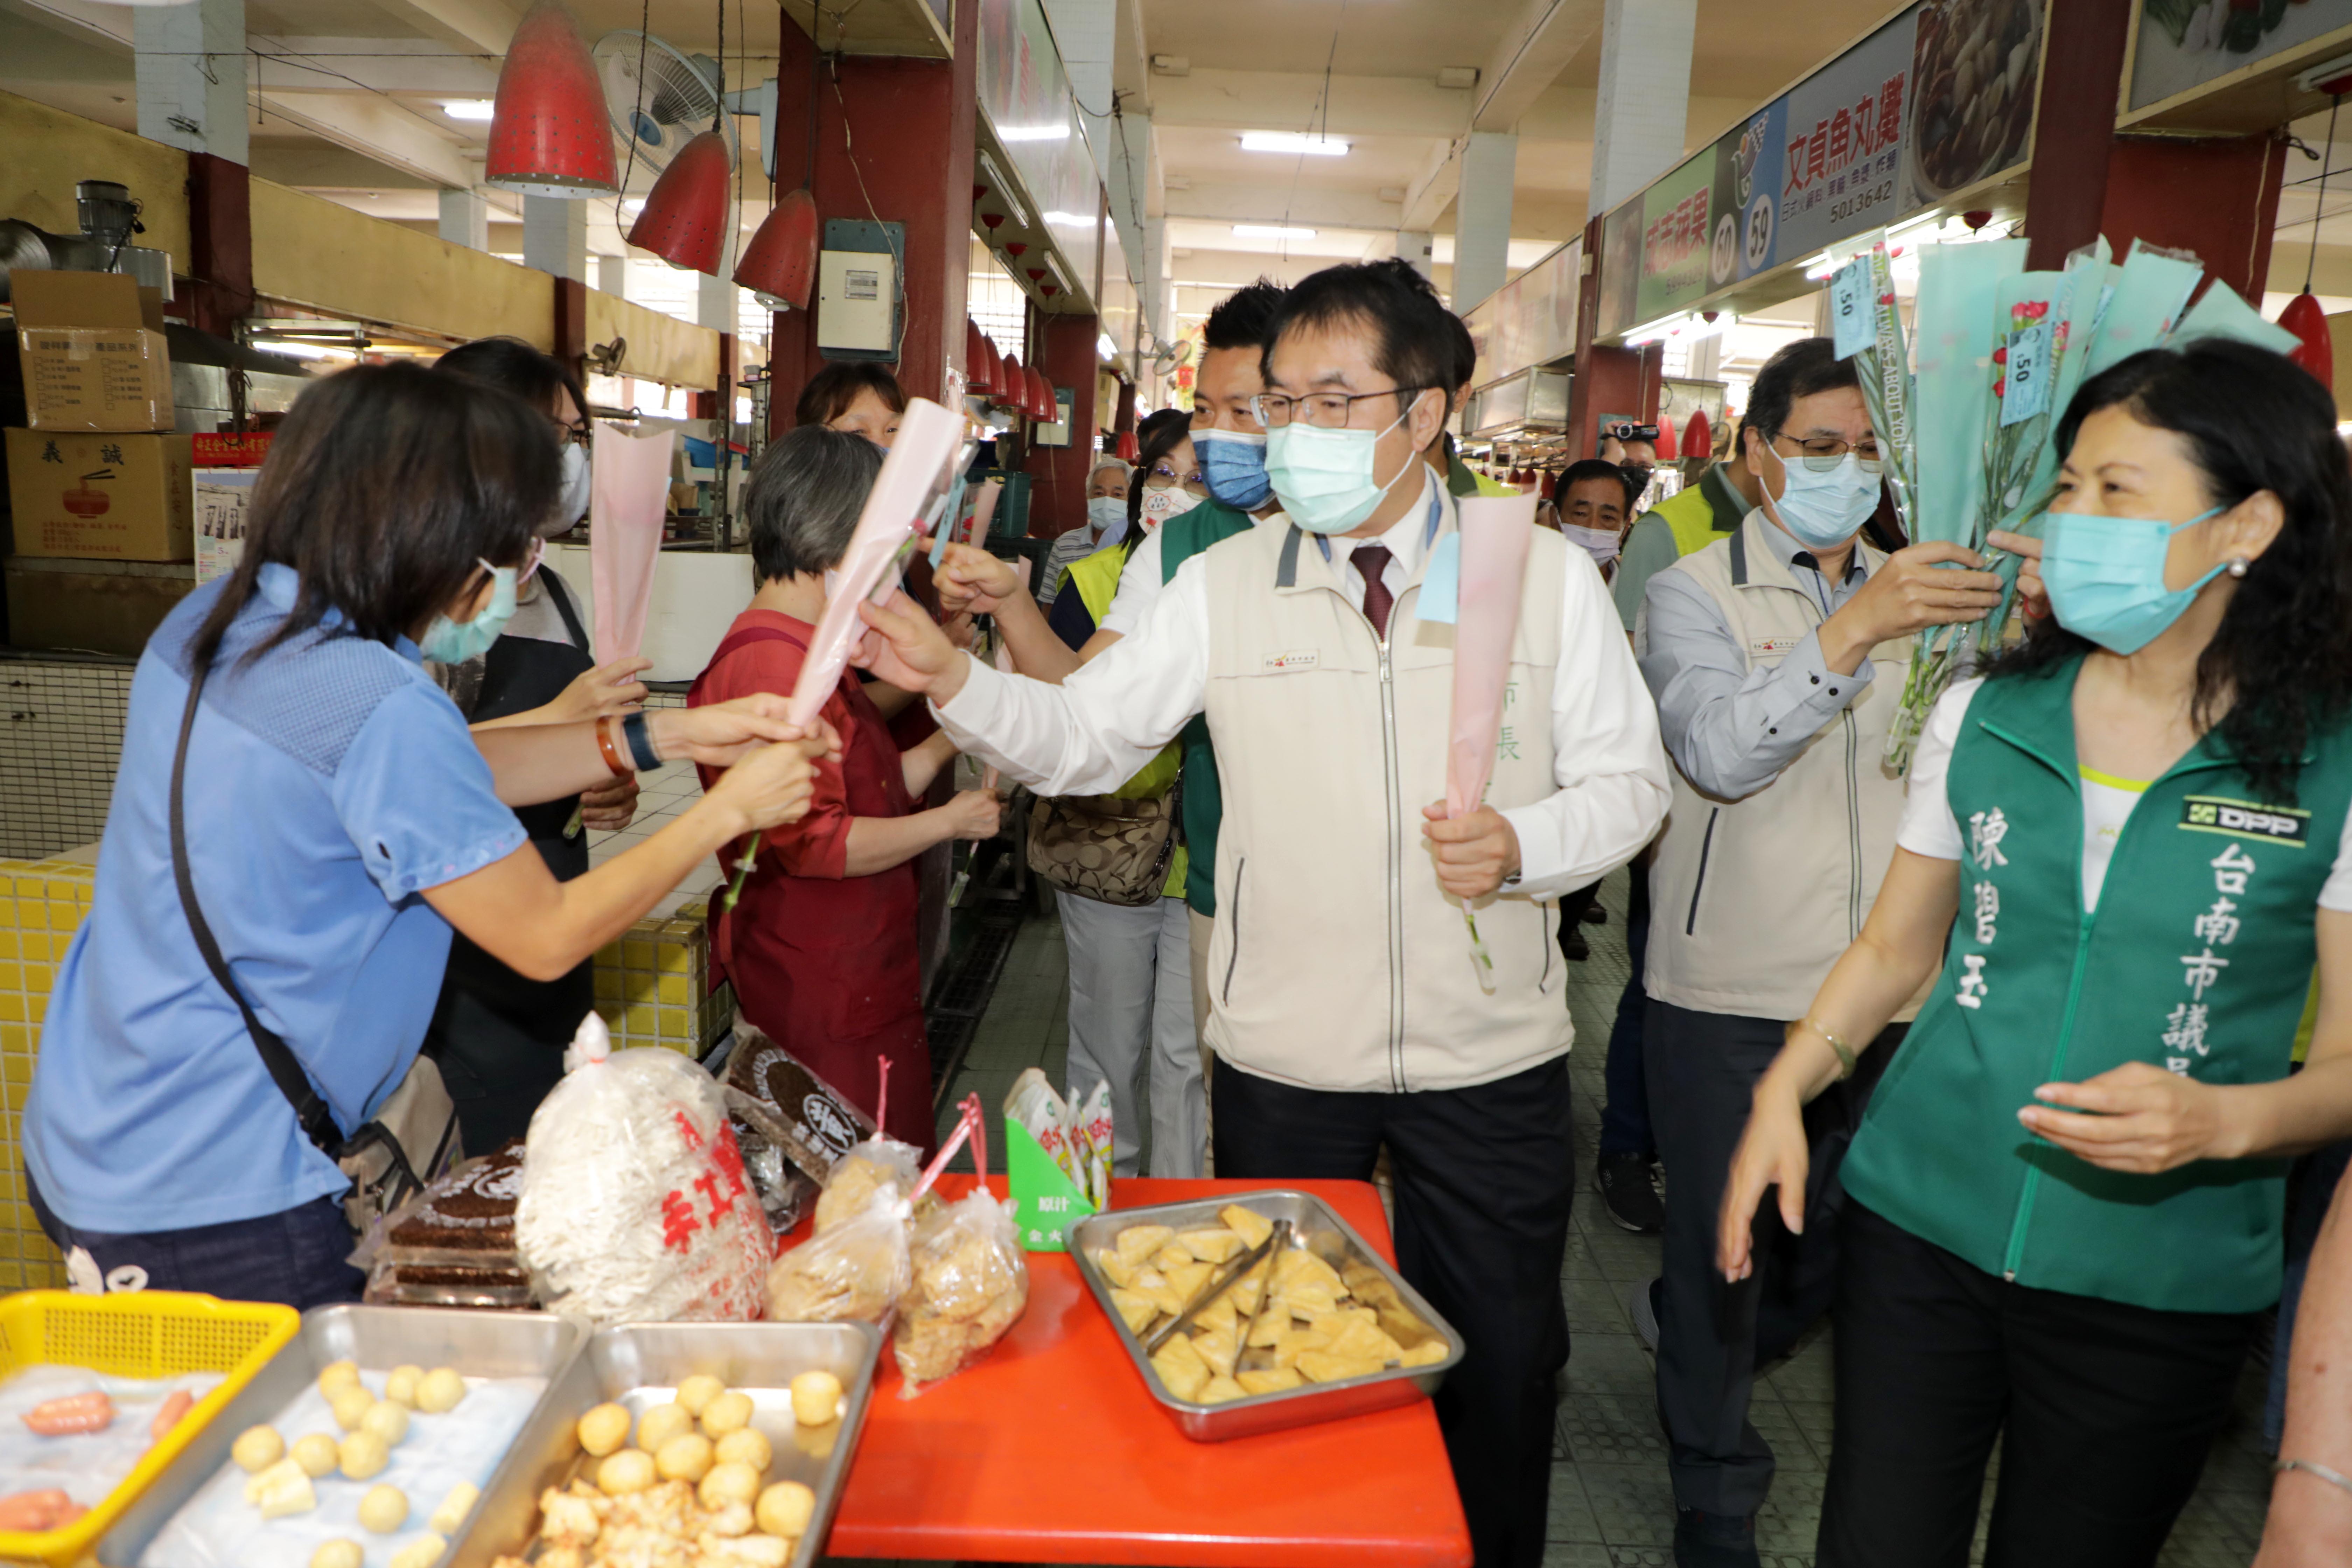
(2237, 567)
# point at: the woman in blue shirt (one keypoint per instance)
(340, 821)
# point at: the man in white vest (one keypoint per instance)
(1346, 1011)
(1778, 653)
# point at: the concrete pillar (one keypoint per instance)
(613, 275)
(714, 301)
(1414, 245)
(465, 219)
(1482, 215)
(555, 237)
(1644, 110)
(190, 69)
(1158, 293)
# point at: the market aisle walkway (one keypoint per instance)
(1611, 1505)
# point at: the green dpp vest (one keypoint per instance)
(1182, 537)
(2197, 959)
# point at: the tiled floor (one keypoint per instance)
(662, 794)
(1611, 1505)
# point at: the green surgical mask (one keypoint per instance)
(1324, 478)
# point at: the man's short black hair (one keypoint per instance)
(1587, 468)
(1801, 369)
(1414, 336)
(1243, 318)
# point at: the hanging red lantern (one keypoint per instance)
(1666, 451)
(685, 217)
(1698, 440)
(2316, 352)
(1012, 386)
(976, 368)
(780, 264)
(549, 133)
(1129, 449)
(1041, 398)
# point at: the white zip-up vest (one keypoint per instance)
(1752, 900)
(1339, 962)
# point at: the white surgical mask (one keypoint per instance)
(1107, 514)
(1158, 506)
(1823, 511)
(573, 504)
(1326, 479)
(1601, 544)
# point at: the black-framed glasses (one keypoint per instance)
(1823, 453)
(1323, 410)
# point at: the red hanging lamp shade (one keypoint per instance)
(1697, 440)
(1667, 451)
(1012, 384)
(780, 264)
(1129, 449)
(976, 368)
(996, 377)
(685, 217)
(1041, 398)
(2316, 352)
(550, 135)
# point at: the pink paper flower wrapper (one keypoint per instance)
(628, 498)
(1496, 533)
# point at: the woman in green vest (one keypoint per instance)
(2064, 1205)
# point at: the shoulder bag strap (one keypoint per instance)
(571, 626)
(317, 1123)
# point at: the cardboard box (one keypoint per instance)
(92, 607)
(102, 497)
(94, 351)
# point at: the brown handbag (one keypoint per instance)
(1101, 847)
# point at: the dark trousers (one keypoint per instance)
(1626, 1114)
(295, 1256)
(2104, 1413)
(1482, 1179)
(1712, 1335)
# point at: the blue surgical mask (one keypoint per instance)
(1823, 511)
(2106, 576)
(1325, 478)
(453, 642)
(1232, 465)
(1107, 516)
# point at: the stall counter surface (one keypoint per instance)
(1052, 1450)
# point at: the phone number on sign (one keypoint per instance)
(1862, 201)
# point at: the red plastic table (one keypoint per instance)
(1052, 1451)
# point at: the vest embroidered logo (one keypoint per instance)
(1297, 658)
(2245, 819)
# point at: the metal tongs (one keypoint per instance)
(1218, 1284)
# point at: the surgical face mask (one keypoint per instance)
(453, 642)
(1232, 465)
(2106, 576)
(1823, 508)
(1601, 544)
(1107, 515)
(1326, 478)
(1158, 506)
(573, 504)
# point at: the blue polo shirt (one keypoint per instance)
(329, 782)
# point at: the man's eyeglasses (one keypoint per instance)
(1823, 453)
(1323, 410)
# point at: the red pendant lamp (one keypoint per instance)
(976, 368)
(1697, 441)
(780, 264)
(1666, 443)
(1012, 386)
(2303, 315)
(1042, 406)
(685, 217)
(1129, 449)
(549, 133)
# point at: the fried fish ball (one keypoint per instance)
(699, 1391)
(454, 1508)
(817, 1442)
(785, 1509)
(749, 1446)
(603, 1429)
(685, 1458)
(387, 1421)
(362, 1455)
(338, 1375)
(422, 1552)
(728, 1412)
(384, 1509)
(256, 1449)
(816, 1399)
(630, 1470)
(439, 1391)
(338, 1553)
(317, 1454)
(728, 1483)
(659, 1423)
(351, 1406)
(400, 1385)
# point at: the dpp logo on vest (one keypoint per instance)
(2244, 819)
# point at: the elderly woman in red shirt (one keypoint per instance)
(821, 944)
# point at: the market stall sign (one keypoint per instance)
(1529, 320)
(2182, 45)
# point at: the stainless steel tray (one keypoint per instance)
(481, 1344)
(1321, 1231)
(641, 1364)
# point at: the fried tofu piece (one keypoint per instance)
(1213, 1246)
(1247, 1289)
(1272, 1329)
(1248, 1224)
(1308, 1298)
(1221, 1390)
(1301, 1267)
(1136, 1311)
(1429, 1352)
(1220, 1316)
(1154, 1287)
(1139, 1242)
(1272, 1380)
(1308, 1338)
(1219, 1351)
(1188, 1279)
(1362, 1340)
(1182, 1370)
(1173, 1256)
(1116, 1269)
(1322, 1366)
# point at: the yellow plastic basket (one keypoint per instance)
(142, 1334)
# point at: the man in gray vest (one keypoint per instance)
(1778, 653)
(1345, 1009)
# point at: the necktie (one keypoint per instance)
(1372, 561)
